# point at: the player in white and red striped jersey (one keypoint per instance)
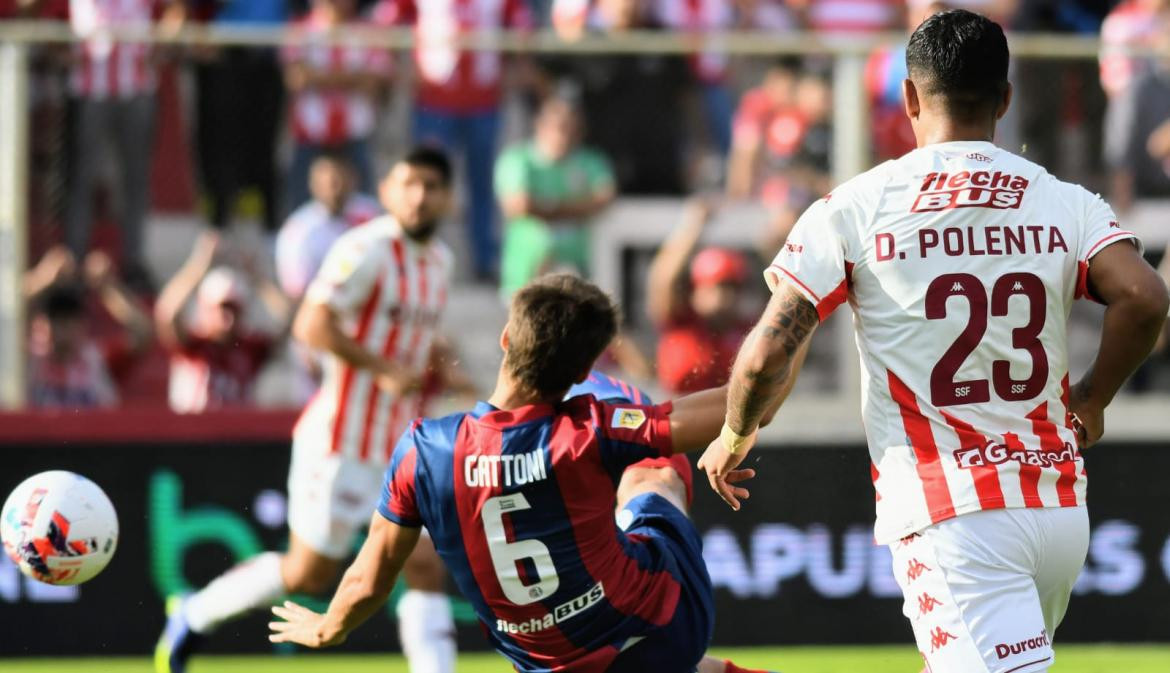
(961, 261)
(334, 89)
(373, 310)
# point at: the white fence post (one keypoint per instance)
(851, 156)
(14, 129)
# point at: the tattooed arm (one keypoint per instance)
(764, 370)
(764, 373)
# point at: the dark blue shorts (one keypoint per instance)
(677, 646)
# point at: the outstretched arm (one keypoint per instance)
(168, 308)
(765, 371)
(664, 299)
(364, 588)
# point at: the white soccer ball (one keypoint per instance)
(59, 528)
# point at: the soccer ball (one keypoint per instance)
(59, 528)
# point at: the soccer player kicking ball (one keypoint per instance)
(373, 309)
(518, 496)
(961, 261)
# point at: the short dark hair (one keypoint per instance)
(558, 326)
(961, 57)
(61, 302)
(429, 156)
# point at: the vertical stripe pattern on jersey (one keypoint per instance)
(1051, 444)
(378, 398)
(1029, 474)
(985, 477)
(347, 372)
(930, 470)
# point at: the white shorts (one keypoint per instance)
(985, 591)
(330, 497)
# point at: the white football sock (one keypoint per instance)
(426, 628)
(255, 583)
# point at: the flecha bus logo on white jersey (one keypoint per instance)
(967, 189)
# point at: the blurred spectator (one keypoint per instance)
(848, 16)
(311, 229)
(237, 149)
(334, 94)
(1131, 24)
(548, 188)
(782, 145)
(216, 359)
(631, 102)
(1137, 134)
(68, 368)
(699, 18)
(307, 236)
(885, 71)
(700, 316)
(771, 15)
(112, 88)
(457, 100)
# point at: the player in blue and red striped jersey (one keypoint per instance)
(518, 496)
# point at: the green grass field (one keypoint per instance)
(884, 659)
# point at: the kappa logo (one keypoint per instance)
(927, 603)
(975, 156)
(629, 419)
(794, 247)
(1114, 224)
(939, 639)
(915, 569)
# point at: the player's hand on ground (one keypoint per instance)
(301, 626)
(722, 473)
(1088, 417)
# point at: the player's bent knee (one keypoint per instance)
(661, 480)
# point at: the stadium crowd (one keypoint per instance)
(294, 138)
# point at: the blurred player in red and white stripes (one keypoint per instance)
(334, 90)
(374, 309)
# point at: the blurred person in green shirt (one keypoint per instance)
(549, 187)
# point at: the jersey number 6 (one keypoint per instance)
(506, 555)
(944, 389)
